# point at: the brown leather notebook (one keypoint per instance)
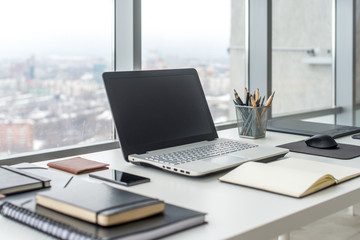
(78, 165)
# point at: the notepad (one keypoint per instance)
(292, 176)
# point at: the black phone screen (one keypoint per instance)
(116, 176)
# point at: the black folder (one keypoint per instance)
(310, 128)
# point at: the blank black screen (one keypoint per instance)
(116, 176)
(158, 109)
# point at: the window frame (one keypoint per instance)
(345, 77)
(127, 56)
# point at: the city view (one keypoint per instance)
(49, 102)
(52, 101)
(52, 54)
(51, 90)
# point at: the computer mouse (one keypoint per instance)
(321, 141)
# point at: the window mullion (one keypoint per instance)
(260, 45)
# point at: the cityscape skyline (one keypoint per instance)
(54, 102)
(50, 71)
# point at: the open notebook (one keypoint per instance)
(291, 176)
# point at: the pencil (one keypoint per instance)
(247, 94)
(268, 102)
(238, 99)
(252, 101)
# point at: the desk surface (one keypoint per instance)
(232, 211)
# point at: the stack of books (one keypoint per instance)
(98, 211)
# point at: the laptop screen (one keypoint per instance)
(158, 109)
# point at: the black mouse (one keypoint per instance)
(321, 141)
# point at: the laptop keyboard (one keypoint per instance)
(193, 154)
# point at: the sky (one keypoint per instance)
(186, 27)
(84, 27)
(80, 27)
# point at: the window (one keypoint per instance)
(357, 62)
(357, 54)
(206, 35)
(302, 55)
(52, 55)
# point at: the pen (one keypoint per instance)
(68, 182)
(262, 101)
(25, 202)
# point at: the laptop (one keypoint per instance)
(163, 120)
(310, 128)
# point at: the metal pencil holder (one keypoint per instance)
(252, 121)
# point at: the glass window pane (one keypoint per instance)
(301, 55)
(52, 55)
(357, 62)
(206, 35)
(357, 53)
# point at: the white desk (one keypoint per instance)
(234, 212)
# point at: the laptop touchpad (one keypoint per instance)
(226, 160)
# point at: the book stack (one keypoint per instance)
(86, 210)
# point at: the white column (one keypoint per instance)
(127, 35)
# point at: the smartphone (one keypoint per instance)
(119, 177)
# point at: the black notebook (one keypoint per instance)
(172, 220)
(14, 180)
(99, 203)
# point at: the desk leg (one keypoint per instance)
(351, 210)
(285, 236)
